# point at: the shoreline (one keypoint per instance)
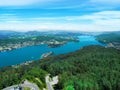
(49, 45)
(67, 49)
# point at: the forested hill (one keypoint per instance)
(109, 37)
(91, 68)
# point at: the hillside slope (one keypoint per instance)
(91, 68)
(109, 37)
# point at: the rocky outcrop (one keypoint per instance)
(114, 45)
(47, 55)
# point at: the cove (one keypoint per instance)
(34, 52)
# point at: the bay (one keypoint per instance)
(34, 52)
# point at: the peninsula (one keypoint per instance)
(15, 42)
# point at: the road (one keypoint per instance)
(49, 86)
(30, 85)
(52, 82)
(26, 83)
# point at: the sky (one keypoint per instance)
(69, 15)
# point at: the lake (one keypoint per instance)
(34, 52)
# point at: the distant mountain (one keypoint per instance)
(39, 33)
(5, 33)
(33, 33)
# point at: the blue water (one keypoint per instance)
(34, 52)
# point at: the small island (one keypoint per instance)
(56, 44)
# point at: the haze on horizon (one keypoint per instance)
(79, 15)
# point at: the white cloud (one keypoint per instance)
(103, 15)
(101, 21)
(21, 2)
(106, 1)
